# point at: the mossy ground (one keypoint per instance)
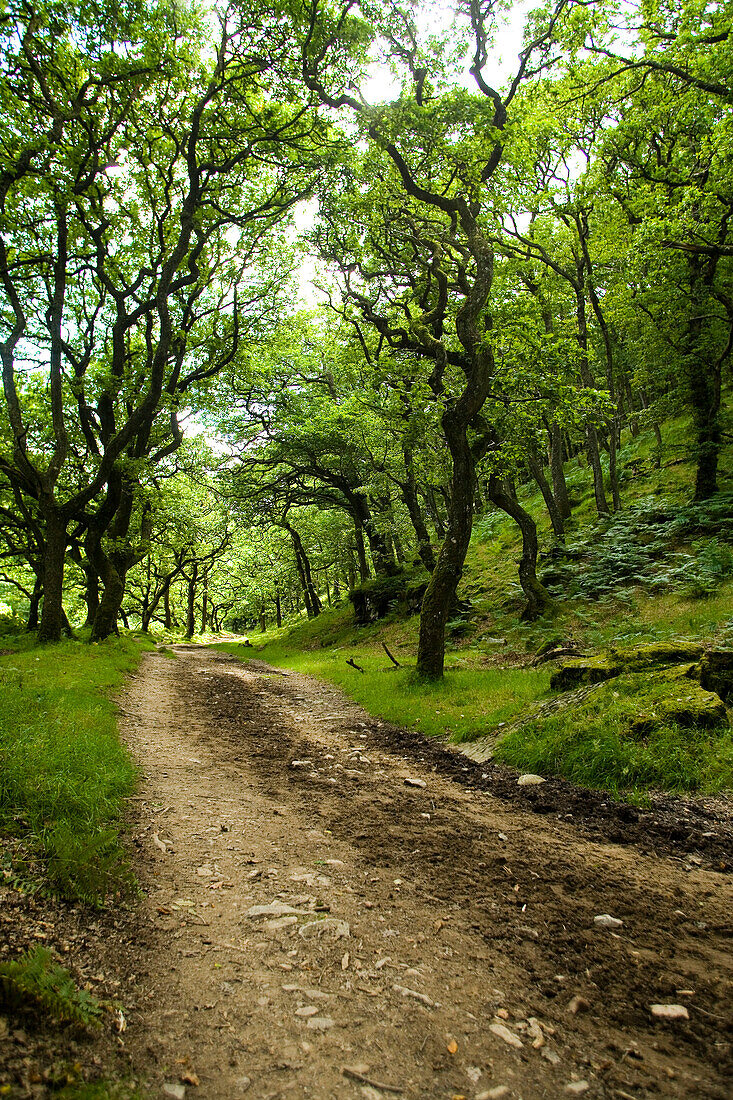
(598, 743)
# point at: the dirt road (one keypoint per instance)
(326, 918)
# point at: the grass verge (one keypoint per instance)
(63, 771)
(594, 744)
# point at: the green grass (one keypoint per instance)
(63, 772)
(468, 703)
(593, 745)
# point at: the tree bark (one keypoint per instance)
(408, 491)
(608, 442)
(441, 591)
(54, 555)
(554, 512)
(205, 604)
(557, 470)
(105, 620)
(538, 599)
(660, 444)
(614, 427)
(382, 556)
(586, 377)
(312, 602)
(191, 601)
(399, 551)
(434, 511)
(113, 520)
(350, 569)
(91, 592)
(34, 606)
(703, 380)
(630, 405)
(364, 571)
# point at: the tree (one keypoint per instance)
(419, 267)
(669, 72)
(134, 222)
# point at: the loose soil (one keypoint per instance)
(432, 941)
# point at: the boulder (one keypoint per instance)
(586, 670)
(716, 673)
(638, 658)
(686, 704)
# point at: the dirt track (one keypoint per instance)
(464, 913)
(428, 936)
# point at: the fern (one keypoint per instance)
(87, 866)
(647, 545)
(36, 979)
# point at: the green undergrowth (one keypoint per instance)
(36, 980)
(595, 744)
(606, 579)
(466, 704)
(63, 772)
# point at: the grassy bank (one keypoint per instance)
(63, 772)
(594, 745)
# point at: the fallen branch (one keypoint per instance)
(392, 659)
(353, 664)
(379, 1085)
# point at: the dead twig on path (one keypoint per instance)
(353, 664)
(380, 1085)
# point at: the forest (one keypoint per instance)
(504, 279)
(388, 342)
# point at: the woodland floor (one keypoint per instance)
(422, 916)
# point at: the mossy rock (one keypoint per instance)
(686, 704)
(654, 654)
(673, 673)
(376, 598)
(663, 661)
(584, 670)
(715, 672)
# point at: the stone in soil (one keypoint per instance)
(530, 780)
(605, 920)
(504, 1033)
(670, 1012)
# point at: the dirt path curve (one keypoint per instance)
(424, 937)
